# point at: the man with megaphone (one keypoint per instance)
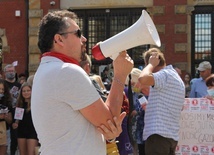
(66, 108)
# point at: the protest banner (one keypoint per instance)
(196, 134)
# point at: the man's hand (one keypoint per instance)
(115, 127)
(123, 65)
(154, 59)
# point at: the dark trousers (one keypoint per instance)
(141, 149)
(13, 143)
(158, 145)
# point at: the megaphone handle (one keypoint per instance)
(97, 53)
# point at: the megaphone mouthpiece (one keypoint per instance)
(97, 53)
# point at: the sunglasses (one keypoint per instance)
(78, 33)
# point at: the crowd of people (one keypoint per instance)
(19, 132)
(65, 109)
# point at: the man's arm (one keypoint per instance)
(98, 113)
(146, 77)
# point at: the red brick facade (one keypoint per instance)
(15, 31)
(18, 40)
(170, 18)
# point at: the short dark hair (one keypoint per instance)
(51, 24)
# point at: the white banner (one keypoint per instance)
(196, 135)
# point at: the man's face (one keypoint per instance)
(204, 74)
(75, 45)
(10, 73)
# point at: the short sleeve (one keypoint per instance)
(75, 87)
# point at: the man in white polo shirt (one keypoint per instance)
(166, 98)
(66, 108)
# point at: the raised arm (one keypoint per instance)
(146, 77)
(98, 113)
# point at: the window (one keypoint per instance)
(202, 36)
(101, 24)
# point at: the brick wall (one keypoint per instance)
(170, 17)
(171, 20)
(15, 31)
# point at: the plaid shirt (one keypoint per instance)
(164, 106)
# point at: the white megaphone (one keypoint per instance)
(142, 32)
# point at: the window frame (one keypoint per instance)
(195, 62)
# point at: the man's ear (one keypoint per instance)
(58, 38)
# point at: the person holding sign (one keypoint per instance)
(165, 102)
(27, 136)
(14, 86)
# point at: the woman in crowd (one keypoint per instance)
(210, 85)
(136, 115)
(187, 79)
(5, 117)
(27, 136)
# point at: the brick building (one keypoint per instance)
(13, 33)
(185, 28)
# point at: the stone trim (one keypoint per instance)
(2, 32)
(180, 9)
(180, 48)
(181, 65)
(36, 13)
(33, 31)
(180, 28)
(158, 10)
(190, 9)
(5, 47)
(33, 67)
(33, 49)
(161, 28)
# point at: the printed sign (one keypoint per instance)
(15, 63)
(143, 100)
(196, 134)
(19, 112)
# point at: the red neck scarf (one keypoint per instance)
(62, 57)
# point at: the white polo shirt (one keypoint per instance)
(59, 91)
